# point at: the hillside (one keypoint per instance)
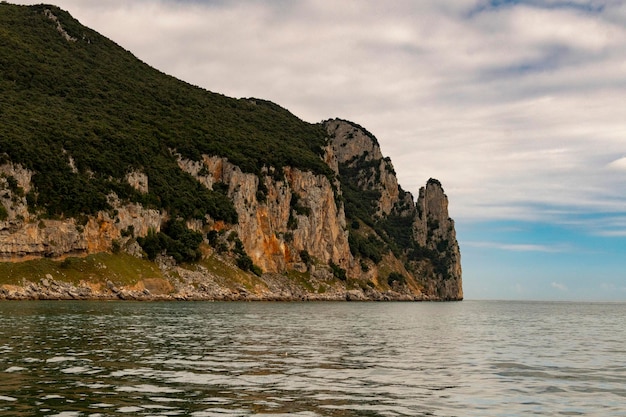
(100, 153)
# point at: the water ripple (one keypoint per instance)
(311, 359)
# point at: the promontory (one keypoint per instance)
(120, 182)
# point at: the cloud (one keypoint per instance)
(516, 106)
(559, 286)
(612, 287)
(611, 225)
(518, 247)
(612, 233)
(618, 164)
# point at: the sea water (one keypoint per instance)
(469, 358)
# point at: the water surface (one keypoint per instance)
(312, 359)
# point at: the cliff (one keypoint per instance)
(418, 236)
(207, 197)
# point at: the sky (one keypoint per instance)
(518, 107)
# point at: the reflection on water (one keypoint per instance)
(311, 359)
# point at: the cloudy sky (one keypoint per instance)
(518, 107)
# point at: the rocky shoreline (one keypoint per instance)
(157, 290)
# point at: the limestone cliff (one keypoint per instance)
(354, 148)
(26, 235)
(419, 235)
(282, 219)
(278, 219)
(434, 229)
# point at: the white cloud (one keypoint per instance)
(559, 286)
(518, 247)
(612, 233)
(608, 225)
(618, 164)
(518, 109)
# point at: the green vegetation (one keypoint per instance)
(359, 177)
(433, 181)
(372, 236)
(234, 245)
(306, 257)
(176, 240)
(361, 128)
(121, 269)
(367, 247)
(360, 203)
(338, 272)
(229, 275)
(244, 262)
(14, 187)
(396, 277)
(82, 114)
(303, 279)
(439, 259)
(399, 229)
(300, 210)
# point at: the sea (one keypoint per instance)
(210, 359)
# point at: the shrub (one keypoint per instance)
(244, 262)
(338, 272)
(306, 258)
(300, 210)
(128, 232)
(4, 214)
(364, 266)
(443, 245)
(261, 193)
(368, 247)
(150, 244)
(212, 237)
(175, 240)
(14, 186)
(256, 270)
(396, 277)
(221, 247)
(292, 223)
(239, 249)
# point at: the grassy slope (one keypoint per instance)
(125, 271)
(121, 269)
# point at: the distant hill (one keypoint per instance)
(101, 153)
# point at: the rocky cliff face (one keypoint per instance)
(292, 220)
(430, 250)
(25, 235)
(278, 219)
(434, 230)
(356, 149)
